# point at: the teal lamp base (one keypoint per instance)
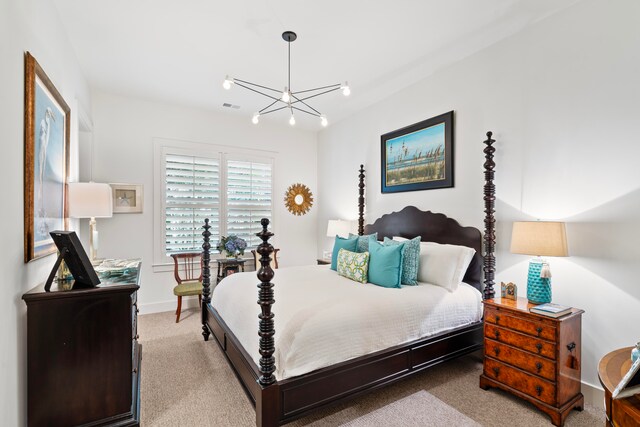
(538, 288)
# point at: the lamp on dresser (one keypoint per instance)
(90, 200)
(539, 238)
(338, 227)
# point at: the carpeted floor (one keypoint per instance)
(187, 382)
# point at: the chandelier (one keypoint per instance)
(292, 100)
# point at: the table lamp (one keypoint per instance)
(539, 238)
(90, 200)
(338, 227)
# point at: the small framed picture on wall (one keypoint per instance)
(127, 198)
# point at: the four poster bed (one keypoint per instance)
(283, 395)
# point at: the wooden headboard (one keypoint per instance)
(432, 227)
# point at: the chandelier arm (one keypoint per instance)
(309, 106)
(274, 110)
(317, 88)
(257, 91)
(305, 111)
(317, 94)
(257, 85)
(268, 106)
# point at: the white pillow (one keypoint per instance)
(443, 265)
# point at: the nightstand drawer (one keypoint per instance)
(533, 345)
(529, 384)
(535, 364)
(536, 329)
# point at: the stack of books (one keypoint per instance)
(551, 310)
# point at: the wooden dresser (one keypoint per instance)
(536, 358)
(83, 355)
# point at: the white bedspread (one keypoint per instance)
(322, 318)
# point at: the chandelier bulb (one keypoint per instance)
(292, 120)
(286, 97)
(346, 91)
(323, 121)
(227, 83)
(256, 118)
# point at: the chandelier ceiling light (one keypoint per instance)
(291, 100)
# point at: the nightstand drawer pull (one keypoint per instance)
(539, 330)
(496, 371)
(496, 350)
(539, 390)
(538, 367)
(497, 334)
(497, 319)
(539, 347)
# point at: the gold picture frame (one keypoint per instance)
(46, 161)
(298, 199)
(127, 198)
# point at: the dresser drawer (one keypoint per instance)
(526, 326)
(534, 345)
(526, 361)
(529, 384)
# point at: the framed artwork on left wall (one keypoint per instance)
(46, 161)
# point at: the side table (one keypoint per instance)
(227, 266)
(611, 369)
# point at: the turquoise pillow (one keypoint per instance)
(342, 243)
(385, 264)
(363, 241)
(410, 259)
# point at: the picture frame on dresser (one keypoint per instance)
(418, 156)
(46, 161)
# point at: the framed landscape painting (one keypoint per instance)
(418, 157)
(46, 161)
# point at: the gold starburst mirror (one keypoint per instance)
(298, 199)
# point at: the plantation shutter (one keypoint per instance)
(249, 198)
(192, 193)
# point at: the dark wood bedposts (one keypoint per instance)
(489, 219)
(265, 300)
(206, 278)
(361, 201)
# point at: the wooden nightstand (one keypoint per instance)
(536, 358)
(611, 369)
(323, 261)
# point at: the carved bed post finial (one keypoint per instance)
(361, 201)
(206, 278)
(265, 300)
(489, 219)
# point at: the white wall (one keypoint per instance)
(25, 25)
(124, 129)
(562, 99)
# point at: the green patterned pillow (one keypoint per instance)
(353, 265)
(363, 241)
(410, 257)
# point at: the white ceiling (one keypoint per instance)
(180, 51)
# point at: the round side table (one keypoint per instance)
(612, 367)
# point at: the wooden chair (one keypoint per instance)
(188, 273)
(274, 259)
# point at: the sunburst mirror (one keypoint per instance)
(298, 199)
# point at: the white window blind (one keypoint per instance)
(249, 198)
(192, 193)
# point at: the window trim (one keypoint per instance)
(163, 146)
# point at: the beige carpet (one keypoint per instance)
(187, 382)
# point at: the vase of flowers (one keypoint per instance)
(232, 246)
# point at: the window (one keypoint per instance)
(233, 190)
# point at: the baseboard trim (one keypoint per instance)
(593, 395)
(171, 305)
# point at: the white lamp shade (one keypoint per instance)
(542, 238)
(90, 200)
(338, 227)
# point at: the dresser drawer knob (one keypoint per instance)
(538, 366)
(497, 334)
(496, 371)
(539, 390)
(496, 350)
(539, 330)
(539, 347)
(497, 319)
